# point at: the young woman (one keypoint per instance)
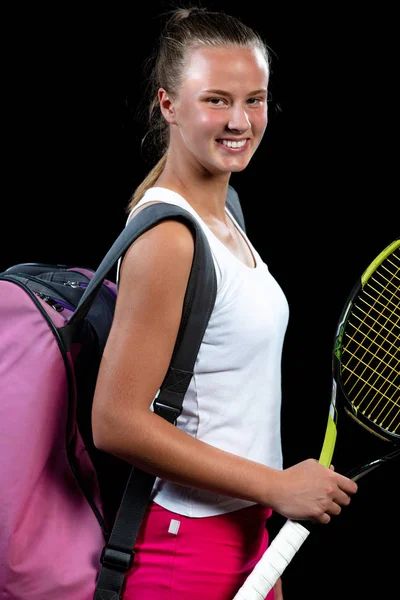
(219, 471)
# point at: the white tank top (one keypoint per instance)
(234, 398)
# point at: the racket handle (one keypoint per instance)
(273, 562)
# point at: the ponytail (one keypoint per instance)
(147, 183)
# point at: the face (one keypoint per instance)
(220, 115)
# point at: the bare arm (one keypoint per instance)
(153, 282)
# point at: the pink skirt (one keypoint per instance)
(207, 558)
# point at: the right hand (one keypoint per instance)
(310, 491)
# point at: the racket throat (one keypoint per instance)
(357, 420)
(362, 470)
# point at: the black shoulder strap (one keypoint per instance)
(233, 204)
(117, 555)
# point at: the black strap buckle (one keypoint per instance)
(169, 413)
(117, 559)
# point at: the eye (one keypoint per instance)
(216, 101)
(254, 101)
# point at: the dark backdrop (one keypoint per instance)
(318, 198)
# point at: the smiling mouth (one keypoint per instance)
(233, 143)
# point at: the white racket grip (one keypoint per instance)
(273, 562)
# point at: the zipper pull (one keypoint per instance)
(50, 301)
(73, 284)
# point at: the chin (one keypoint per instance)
(228, 166)
(232, 165)
(238, 168)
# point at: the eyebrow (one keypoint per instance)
(224, 93)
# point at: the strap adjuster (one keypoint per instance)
(169, 413)
(117, 559)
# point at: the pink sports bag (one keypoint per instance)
(69, 514)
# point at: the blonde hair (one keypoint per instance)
(185, 29)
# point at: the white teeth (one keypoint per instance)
(233, 144)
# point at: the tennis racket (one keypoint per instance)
(365, 386)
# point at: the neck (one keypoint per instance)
(206, 194)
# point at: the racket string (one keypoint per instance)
(370, 354)
(376, 318)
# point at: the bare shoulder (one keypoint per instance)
(167, 246)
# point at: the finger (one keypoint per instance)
(347, 485)
(323, 519)
(335, 509)
(342, 498)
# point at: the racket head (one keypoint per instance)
(366, 351)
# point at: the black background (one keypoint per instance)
(319, 198)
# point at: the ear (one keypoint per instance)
(166, 106)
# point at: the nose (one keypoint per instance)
(239, 119)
